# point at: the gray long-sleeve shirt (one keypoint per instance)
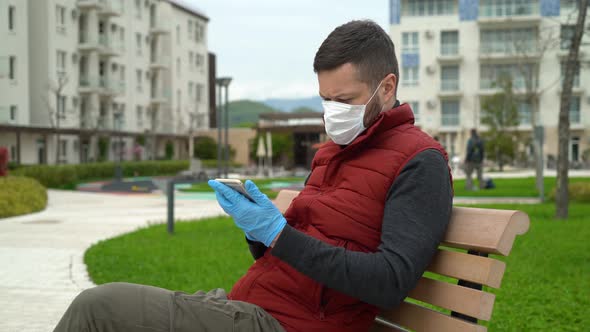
(416, 214)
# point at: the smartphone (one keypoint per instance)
(236, 185)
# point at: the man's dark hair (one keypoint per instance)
(362, 43)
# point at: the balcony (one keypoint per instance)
(111, 87)
(509, 51)
(158, 28)
(159, 61)
(87, 44)
(88, 84)
(105, 7)
(516, 13)
(449, 54)
(89, 4)
(160, 96)
(450, 88)
(108, 47)
(110, 8)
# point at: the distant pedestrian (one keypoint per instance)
(474, 160)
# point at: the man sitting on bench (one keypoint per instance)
(356, 239)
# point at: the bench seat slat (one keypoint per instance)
(419, 319)
(477, 269)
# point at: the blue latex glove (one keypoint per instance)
(260, 220)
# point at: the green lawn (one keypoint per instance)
(522, 187)
(546, 286)
(263, 185)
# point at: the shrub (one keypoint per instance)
(67, 176)
(21, 195)
(578, 192)
(205, 148)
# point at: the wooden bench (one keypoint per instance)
(477, 232)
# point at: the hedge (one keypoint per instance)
(21, 195)
(67, 176)
(578, 192)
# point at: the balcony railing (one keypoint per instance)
(489, 9)
(449, 85)
(88, 81)
(449, 49)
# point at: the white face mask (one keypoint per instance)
(344, 122)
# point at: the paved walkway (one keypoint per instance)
(41, 255)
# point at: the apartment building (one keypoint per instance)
(451, 54)
(101, 79)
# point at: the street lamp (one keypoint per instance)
(223, 82)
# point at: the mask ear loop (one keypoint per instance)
(374, 93)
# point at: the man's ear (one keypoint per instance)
(389, 85)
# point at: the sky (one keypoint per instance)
(268, 46)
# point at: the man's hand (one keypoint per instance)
(260, 220)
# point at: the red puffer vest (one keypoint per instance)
(342, 204)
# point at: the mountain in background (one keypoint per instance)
(288, 105)
(244, 113)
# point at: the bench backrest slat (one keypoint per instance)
(457, 298)
(481, 270)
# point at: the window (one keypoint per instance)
(428, 7)
(122, 74)
(63, 149)
(61, 63)
(13, 113)
(410, 42)
(12, 68)
(491, 73)
(415, 105)
(200, 62)
(500, 8)
(138, 43)
(449, 42)
(138, 9)
(450, 113)
(139, 117)
(61, 107)
(567, 34)
(178, 34)
(576, 74)
(199, 92)
(11, 18)
(574, 151)
(575, 110)
(449, 78)
(122, 36)
(178, 67)
(508, 41)
(410, 76)
(524, 113)
(190, 29)
(60, 19)
(179, 98)
(139, 80)
(191, 60)
(190, 89)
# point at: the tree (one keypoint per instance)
(500, 114)
(59, 112)
(561, 195)
(205, 148)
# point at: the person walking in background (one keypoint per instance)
(474, 160)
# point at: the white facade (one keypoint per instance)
(115, 61)
(449, 61)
